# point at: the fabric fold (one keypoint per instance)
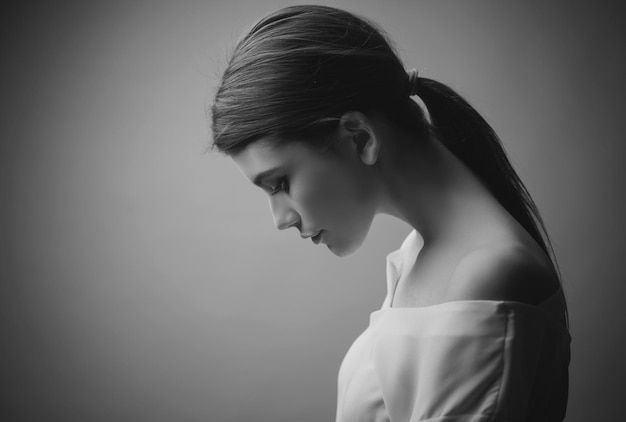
(476, 360)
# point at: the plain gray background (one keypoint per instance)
(142, 279)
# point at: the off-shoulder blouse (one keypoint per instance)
(462, 361)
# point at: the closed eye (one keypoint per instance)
(282, 185)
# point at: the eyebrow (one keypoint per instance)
(259, 178)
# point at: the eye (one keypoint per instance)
(282, 185)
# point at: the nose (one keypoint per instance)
(284, 215)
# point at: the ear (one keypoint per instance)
(356, 129)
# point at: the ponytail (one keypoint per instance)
(468, 136)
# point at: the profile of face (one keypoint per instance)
(330, 197)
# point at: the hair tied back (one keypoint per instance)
(413, 78)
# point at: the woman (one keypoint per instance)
(316, 108)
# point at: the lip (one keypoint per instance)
(317, 238)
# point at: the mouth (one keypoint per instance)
(317, 238)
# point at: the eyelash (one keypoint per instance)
(282, 185)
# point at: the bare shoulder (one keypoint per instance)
(503, 272)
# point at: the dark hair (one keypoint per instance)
(303, 66)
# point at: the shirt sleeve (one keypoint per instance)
(465, 364)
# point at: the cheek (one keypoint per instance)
(336, 197)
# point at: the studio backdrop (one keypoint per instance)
(142, 278)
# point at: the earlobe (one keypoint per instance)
(368, 148)
(358, 129)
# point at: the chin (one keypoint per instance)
(345, 249)
(340, 252)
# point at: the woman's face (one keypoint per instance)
(330, 195)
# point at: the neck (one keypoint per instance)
(439, 196)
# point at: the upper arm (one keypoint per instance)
(510, 273)
(460, 362)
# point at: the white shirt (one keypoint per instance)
(462, 361)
